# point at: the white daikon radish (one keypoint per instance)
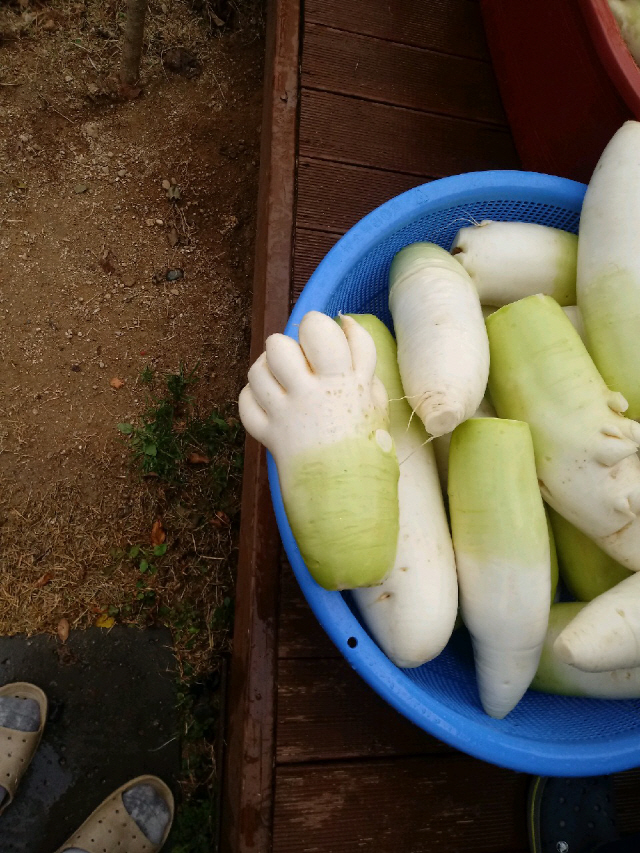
(555, 676)
(510, 260)
(605, 634)
(608, 284)
(442, 442)
(572, 312)
(501, 543)
(586, 570)
(443, 353)
(588, 468)
(322, 413)
(411, 615)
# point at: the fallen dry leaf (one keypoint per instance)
(63, 630)
(174, 237)
(198, 459)
(46, 578)
(116, 383)
(104, 621)
(158, 534)
(220, 519)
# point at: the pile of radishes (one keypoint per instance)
(504, 395)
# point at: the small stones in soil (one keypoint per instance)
(174, 275)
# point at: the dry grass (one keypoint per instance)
(57, 30)
(71, 504)
(76, 515)
(58, 559)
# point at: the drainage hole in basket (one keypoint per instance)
(352, 642)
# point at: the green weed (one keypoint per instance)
(193, 830)
(171, 431)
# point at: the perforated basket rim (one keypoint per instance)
(550, 757)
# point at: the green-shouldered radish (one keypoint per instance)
(553, 554)
(605, 634)
(320, 410)
(411, 615)
(501, 543)
(572, 312)
(586, 459)
(510, 260)
(556, 676)
(608, 284)
(442, 442)
(586, 570)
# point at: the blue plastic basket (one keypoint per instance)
(546, 735)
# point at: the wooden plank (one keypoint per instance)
(334, 196)
(326, 711)
(299, 632)
(248, 789)
(451, 26)
(409, 805)
(362, 67)
(311, 247)
(363, 133)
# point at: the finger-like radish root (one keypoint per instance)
(322, 413)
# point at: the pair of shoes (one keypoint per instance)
(110, 827)
(571, 815)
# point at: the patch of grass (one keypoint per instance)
(172, 432)
(193, 830)
(191, 460)
(146, 376)
(199, 709)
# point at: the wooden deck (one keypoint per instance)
(364, 99)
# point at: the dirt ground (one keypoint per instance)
(126, 248)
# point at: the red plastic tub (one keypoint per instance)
(566, 77)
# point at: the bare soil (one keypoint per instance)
(126, 243)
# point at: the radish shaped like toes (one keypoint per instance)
(443, 352)
(319, 409)
(586, 458)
